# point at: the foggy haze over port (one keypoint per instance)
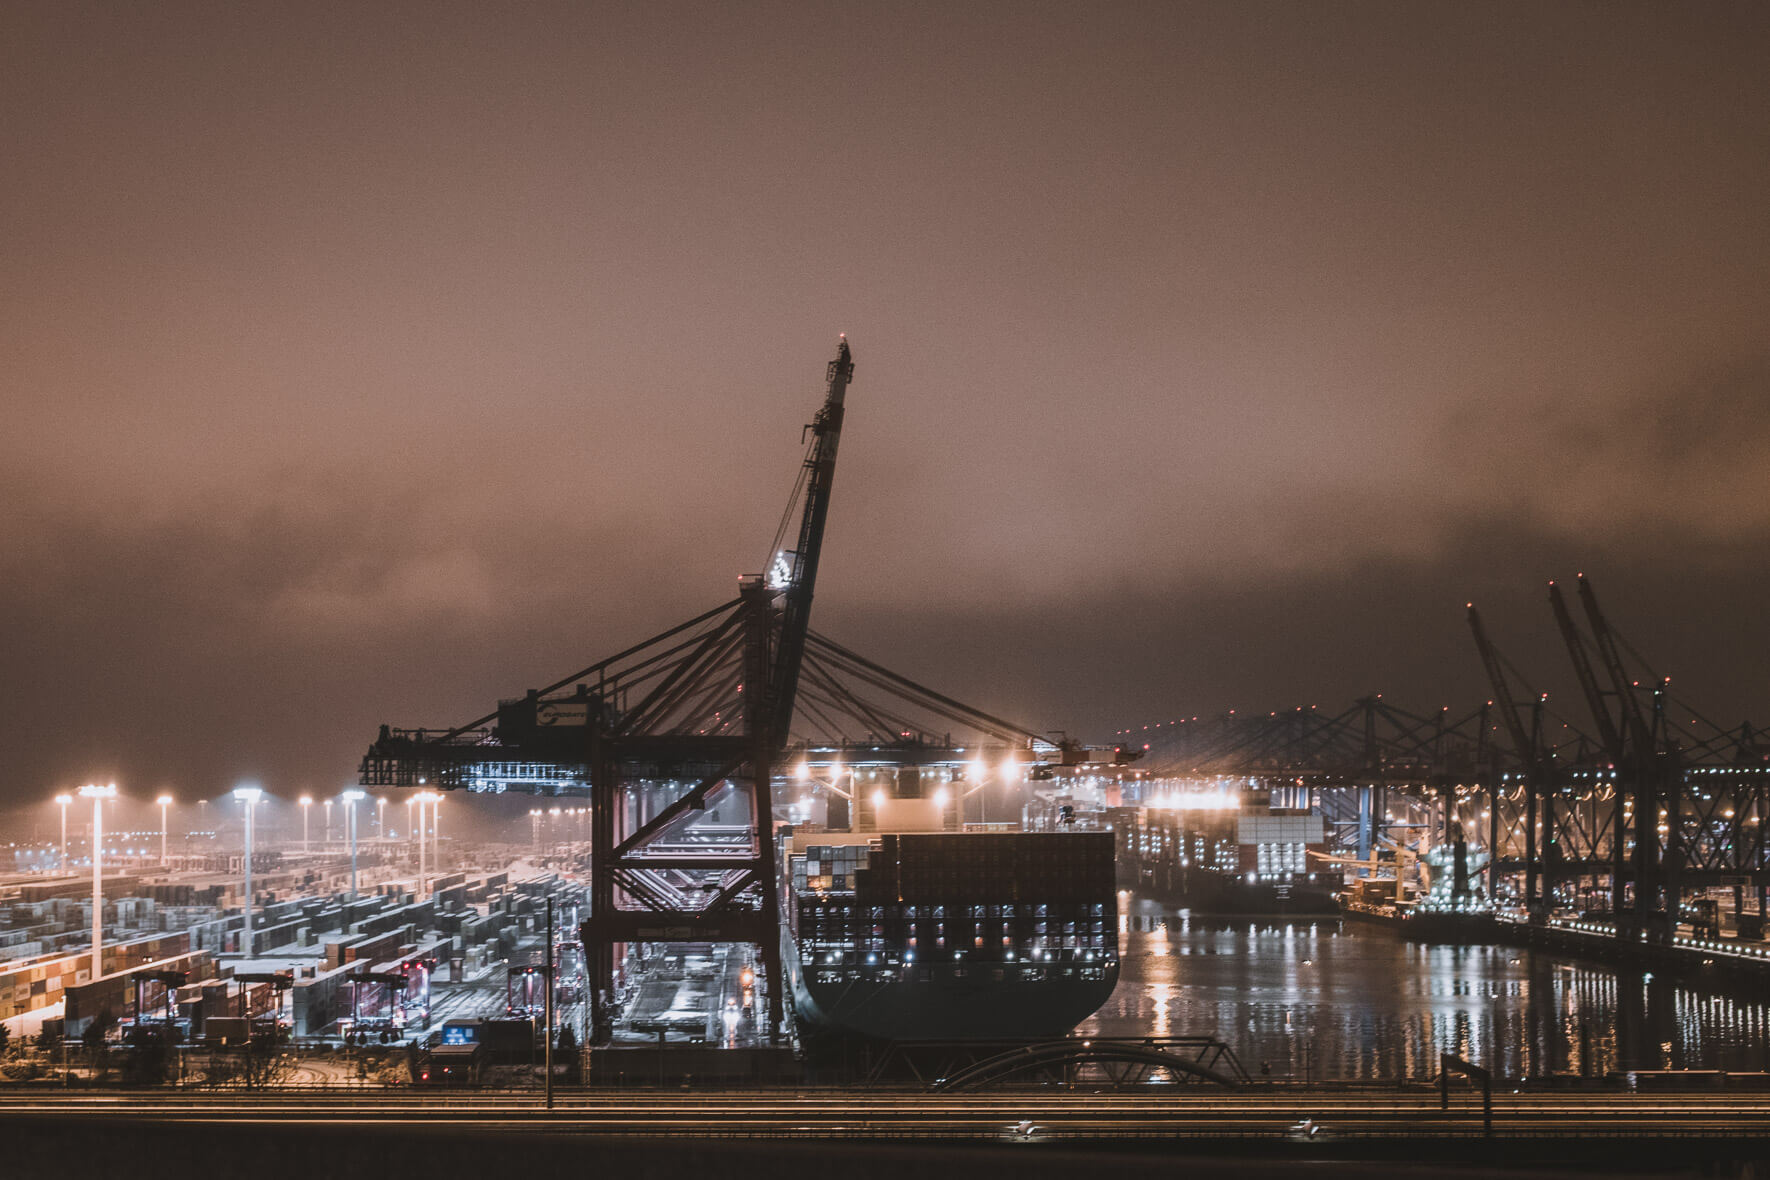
(382, 363)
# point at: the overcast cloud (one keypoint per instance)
(367, 364)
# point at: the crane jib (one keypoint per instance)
(789, 654)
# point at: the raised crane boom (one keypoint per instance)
(1588, 679)
(801, 579)
(1522, 740)
(1639, 733)
(1529, 749)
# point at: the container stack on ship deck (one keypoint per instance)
(951, 936)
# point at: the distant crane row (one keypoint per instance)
(1629, 818)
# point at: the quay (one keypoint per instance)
(1718, 961)
(1388, 1131)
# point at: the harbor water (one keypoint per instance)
(1341, 999)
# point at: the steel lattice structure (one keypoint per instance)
(1625, 809)
(711, 708)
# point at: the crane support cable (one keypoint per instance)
(598, 666)
(923, 692)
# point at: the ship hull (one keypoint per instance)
(1436, 926)
(934, 936)
(1456, 929)
(1222, 894)
(975, 1006)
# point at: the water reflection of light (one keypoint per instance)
(1372, 1006)
(1161, 997)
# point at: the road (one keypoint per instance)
(697, 992)
(1194, 1114)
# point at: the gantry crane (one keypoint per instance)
(705, 709)
(1527, 744)
(693, 718)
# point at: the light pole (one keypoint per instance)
(165, 801)
(550, 994)
(98, 795)
(381, 817)
(249, 796)
(423, 845)
(436, 832)
(421, 798)
(306, 802)
(328, 821)
(61, 864)
(351, 798)
(535, 827)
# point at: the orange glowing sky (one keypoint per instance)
(366, 363)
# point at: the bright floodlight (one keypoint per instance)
(352, 795)
(878, 799)
(94, 791)
(305, 800)
(164, 800)
(64, 798)
(941, 797)
(249, 794)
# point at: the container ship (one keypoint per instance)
(1453, 908)
(1223, 854)
(948, 936)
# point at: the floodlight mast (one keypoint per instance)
(98, 794)
(165, 802)
(351, 798)
(250, 797)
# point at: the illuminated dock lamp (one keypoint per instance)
(98, 794)
(976, 777)
(306, 802)
(250, 797)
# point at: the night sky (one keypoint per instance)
(369, 362)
